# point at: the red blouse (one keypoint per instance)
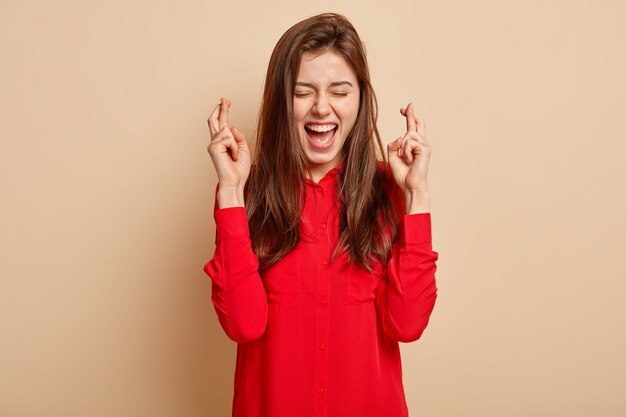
(315, 337)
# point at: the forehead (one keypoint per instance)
(325, 68)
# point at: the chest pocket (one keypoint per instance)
(282, 280)
(362, 284)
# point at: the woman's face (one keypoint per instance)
(325, 107)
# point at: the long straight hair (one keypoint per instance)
(275, 187)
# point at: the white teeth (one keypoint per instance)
(321, 128)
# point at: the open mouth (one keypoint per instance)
(320, 136)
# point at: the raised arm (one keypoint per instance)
(406, 295)
(238, 294)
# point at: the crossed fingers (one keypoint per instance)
(222, 137)
(413, 122)
(414, 140)
(218, 120)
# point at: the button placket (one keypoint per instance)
(322, 331)
(322, 220)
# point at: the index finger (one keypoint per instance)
(212, 121)
(410, 118)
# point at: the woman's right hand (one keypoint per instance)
(231, 156)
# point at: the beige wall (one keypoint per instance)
(107, 192)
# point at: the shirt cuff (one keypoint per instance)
(231, 222)
(417, 228)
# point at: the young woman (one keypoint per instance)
(323, 258)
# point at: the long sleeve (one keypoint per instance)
(406, 295)
(238, 294)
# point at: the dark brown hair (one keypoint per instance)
(275, 187)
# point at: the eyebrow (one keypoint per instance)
(335, 84)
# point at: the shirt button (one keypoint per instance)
(324, 302)
(324, 262)
(321, 390)
(323, 226)
(322, 346)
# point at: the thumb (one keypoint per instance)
(395, 145)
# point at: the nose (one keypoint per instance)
(322, 106)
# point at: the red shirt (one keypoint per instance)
(315, 337)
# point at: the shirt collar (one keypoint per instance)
(330, 175)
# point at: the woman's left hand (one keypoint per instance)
(408, 158)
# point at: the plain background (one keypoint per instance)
(107, 195)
